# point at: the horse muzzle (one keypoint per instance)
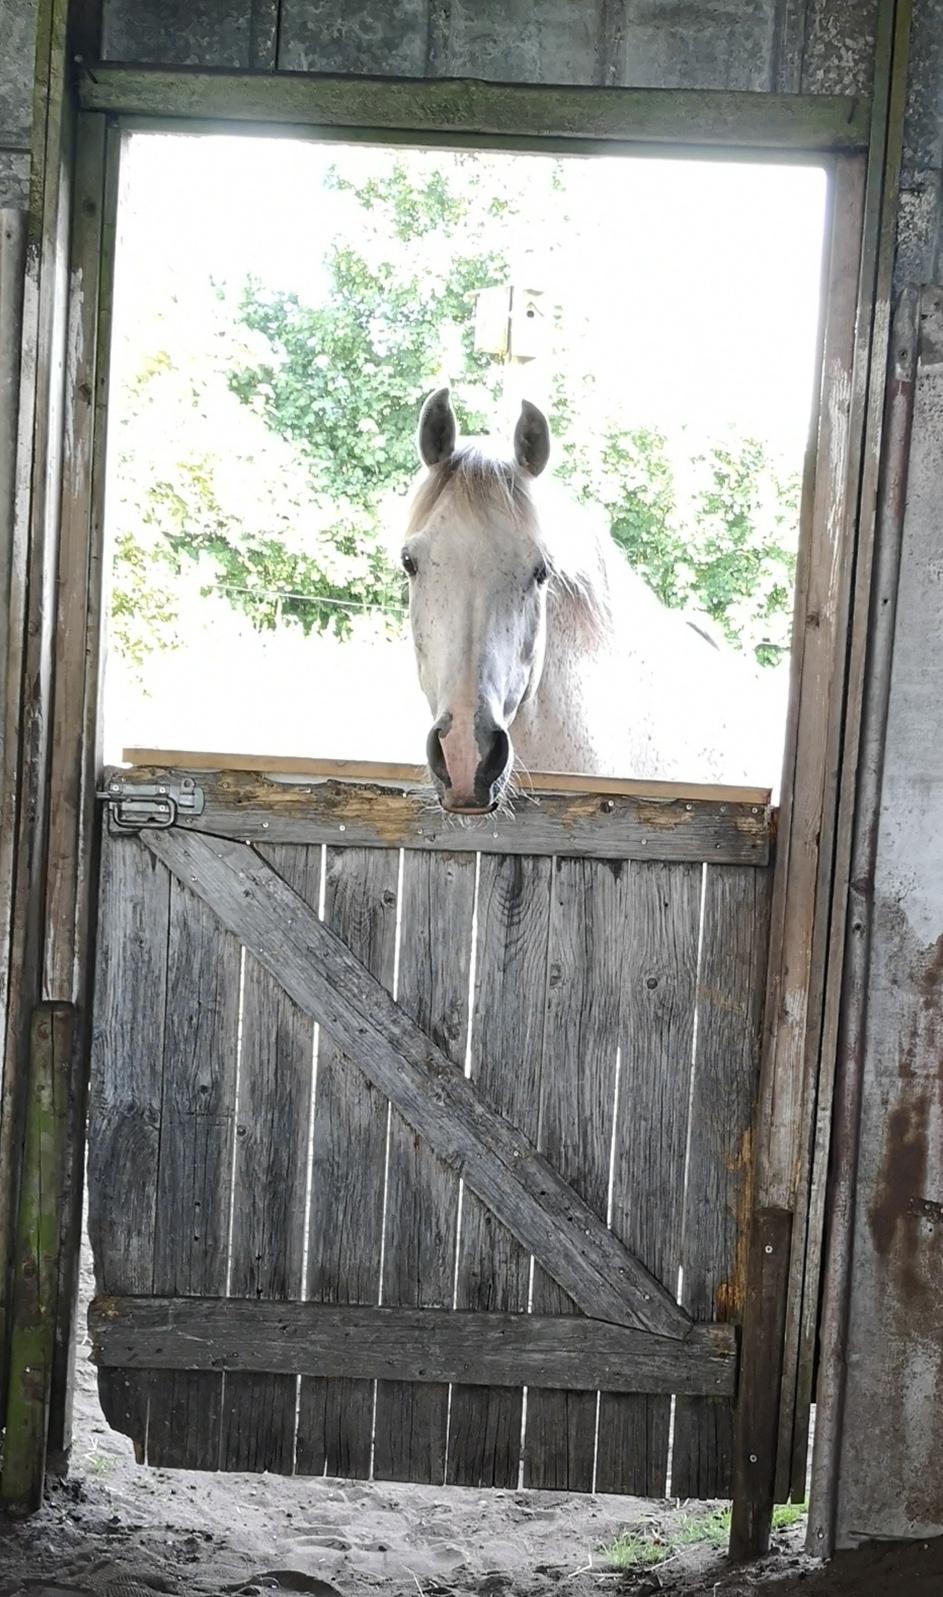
(470, 773)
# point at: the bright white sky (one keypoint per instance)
(700, 283)
(702, 278)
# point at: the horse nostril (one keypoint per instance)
(436, 758)
(494, 763)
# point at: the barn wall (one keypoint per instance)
(892, 1462)
(891, 1476)
(824, 46)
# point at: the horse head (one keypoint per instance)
(477, 603)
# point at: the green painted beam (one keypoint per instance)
(442, 111)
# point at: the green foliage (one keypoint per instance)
(653, 1544)
(336, 385)
(729, 551)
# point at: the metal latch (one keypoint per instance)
(134, 806)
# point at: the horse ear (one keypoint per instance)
(438, 429)
(531, 439)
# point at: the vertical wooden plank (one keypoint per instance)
(36, 1258)
(513, 927)
(716, 1214)
(657, 1039)
(270, 1183)
(77, 720)
(584, 1008)
(335, 1425)
(128, 1017)
(422, 1196)
(201, 1041)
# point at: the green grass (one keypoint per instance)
(651, 1545)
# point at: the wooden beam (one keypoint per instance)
(473, 1349)
(497, 1161)
(385, 771)
(258, 809)
(36, 1257)
(754, 1463)
(445, 110)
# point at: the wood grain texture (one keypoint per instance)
(397, 773)
(656, 1031)
(270, 1186)
(254, 808)
(422, 1193)
(36, 1257)
(197, 1125)
(424, 1345)
(731, 983)
(497, 1162)
(126, 1088)
(466, 107)
(335, 1426)
(493, 1271)
(582, 1036)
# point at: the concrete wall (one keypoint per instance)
(892, 1465)
(17, 33)
(823, 46)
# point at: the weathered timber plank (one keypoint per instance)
(36, 1257)
(754, 1471)
(127, 1061)
(254, 808)
(466, 106)
(195, 1161)
(659, 978)
(335, 1424)
(422, 1193)
(497, 1162)
(487, 1349)
(397, 773)
(731, 984)
(582, 1035)
(493, 1269)
(270, 1185)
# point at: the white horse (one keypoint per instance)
(528, 621)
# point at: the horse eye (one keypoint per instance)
(541, 575)
(409, 564)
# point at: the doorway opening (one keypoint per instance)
(281, 310)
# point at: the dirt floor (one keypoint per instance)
(116, 1530)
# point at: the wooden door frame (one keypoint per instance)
(828, 130)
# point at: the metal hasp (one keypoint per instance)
(150, 806)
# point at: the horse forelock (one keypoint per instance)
(480, 486)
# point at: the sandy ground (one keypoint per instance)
(114, 1529)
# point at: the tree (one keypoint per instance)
(320, 404)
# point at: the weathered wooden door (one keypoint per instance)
(423, 1150)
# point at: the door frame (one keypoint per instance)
(850, 139)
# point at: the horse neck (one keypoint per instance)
(568, 724)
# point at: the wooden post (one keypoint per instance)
(36, 1257)
(754, 1481)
